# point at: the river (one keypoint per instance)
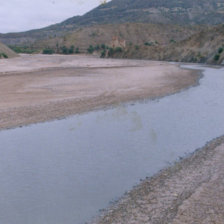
(65, 171)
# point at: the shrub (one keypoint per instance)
(110, 52)
(118, 50)
(216, 57)
(65, 50)
(103, 54)
(24, 49)
(103, 46)
(77, 50)
(90, 49)
(148, 43)
(3, 55)
(220, 50)
(97, 48)
(71, 50)
(48, 51)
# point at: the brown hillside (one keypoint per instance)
(206, 46)
(132, 33)
(5, 52)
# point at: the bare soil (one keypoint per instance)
(40, 88)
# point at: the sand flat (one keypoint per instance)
(39, 88)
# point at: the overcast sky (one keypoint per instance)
(21, 15)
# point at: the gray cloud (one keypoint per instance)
(21, 15)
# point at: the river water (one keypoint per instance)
(64, 171)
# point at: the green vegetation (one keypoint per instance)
(104, 50)
(71, 50)
(220, 50)
(23, 50)
(90, 49)
(103, 46)
(216, 57)
(172, 41)
(3, 55)
(103, 54)
(77, 51)
(148, 44)
(48, 51)
(62, 50)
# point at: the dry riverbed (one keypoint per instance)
(40, 88)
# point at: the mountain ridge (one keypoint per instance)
(180, 12)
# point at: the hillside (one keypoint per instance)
(132, 33)
(206, 46)
(5, 52)
(181, 12)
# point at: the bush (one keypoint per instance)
(148, 43)
(77, 50)
(110, 52)
(220, 50)
(172, 41)
(71, 50)
(65, 50)
(103, 54)
(103, 46)
(90, 49)
(217, 56)
(3, 55)
(118, 50)
(48, 51)
(97, 48)
(23, 50)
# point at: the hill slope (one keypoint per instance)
(5, 52)
(132, 33)
(206, 46)
(182, 12)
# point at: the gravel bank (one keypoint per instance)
(191, 191)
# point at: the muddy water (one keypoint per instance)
(65, 171)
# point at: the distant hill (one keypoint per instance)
(181, 12)
(132, 33)
(5, 52)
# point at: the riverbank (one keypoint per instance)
(191, 191)
(38, 88)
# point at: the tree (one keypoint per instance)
(90, 49)
(48, 51)
(77, 50)
(71, 50)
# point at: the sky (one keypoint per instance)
(22, 15)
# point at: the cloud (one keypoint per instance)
(21, 15)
